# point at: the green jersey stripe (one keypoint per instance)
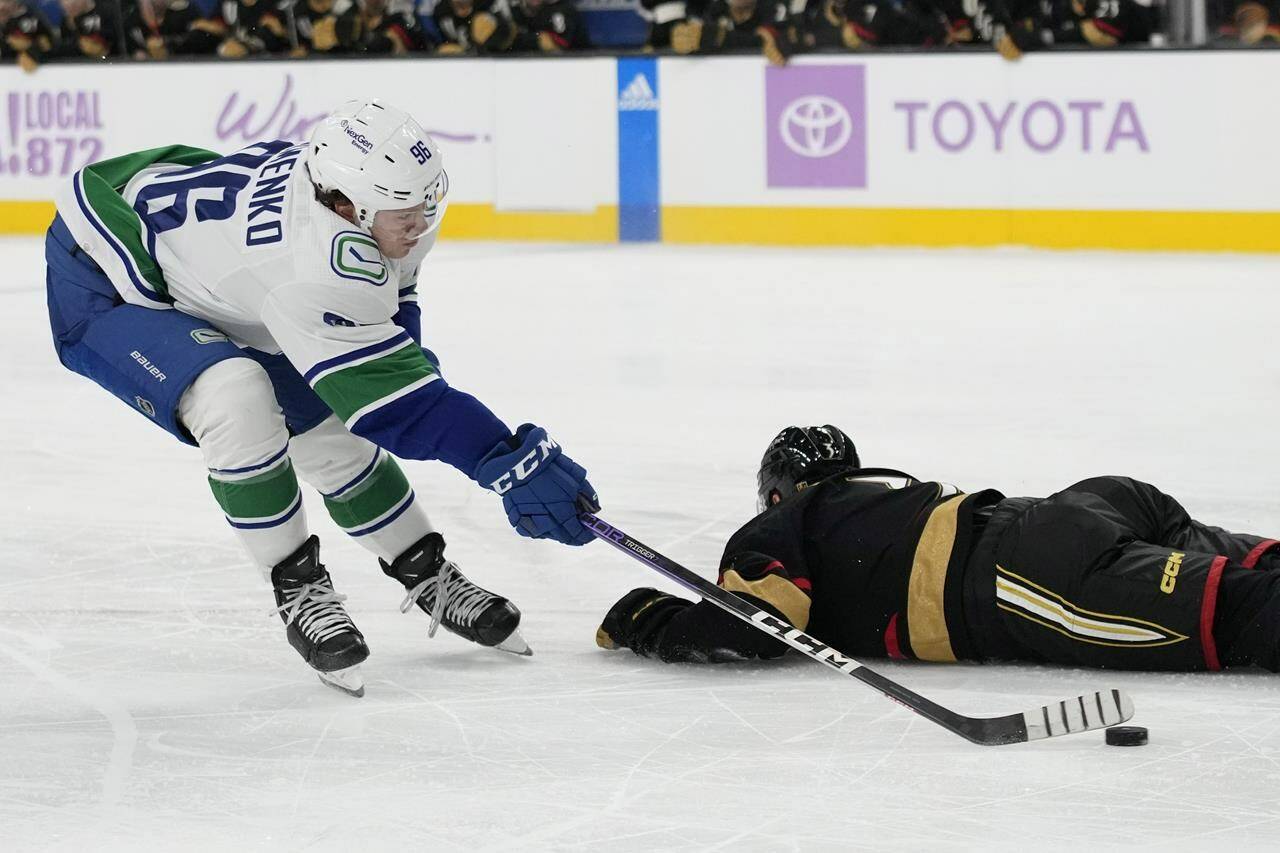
(102, 183)
(360, 387)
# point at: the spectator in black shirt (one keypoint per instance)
(474, 26)
(158, 29)
(1012, 27)
(384, 31)
(252, 27)
(664, 15)
(1107, 23)
(27, 37)
(735, 25)
(325, 26)
(550, 26)
(88, 29)
(858, 25)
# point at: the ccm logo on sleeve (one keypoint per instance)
(525, 468)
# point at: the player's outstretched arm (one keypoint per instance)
(379, 382)
(655, 624)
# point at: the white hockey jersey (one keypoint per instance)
(241, 242)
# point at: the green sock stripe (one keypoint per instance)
(264, 496)
(376, 496)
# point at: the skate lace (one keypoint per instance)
(461, 601)
(318, 610)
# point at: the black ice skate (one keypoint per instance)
(317, 624)
(444, 593)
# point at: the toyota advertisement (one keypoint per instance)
(721, 137)
(966, 132)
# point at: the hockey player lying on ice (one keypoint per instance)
(263, 306)
(1109, 572)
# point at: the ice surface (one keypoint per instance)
(148, 701)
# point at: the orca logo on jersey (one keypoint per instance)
(145, 405)
(356, 256)
(525, 468)
(208, 336)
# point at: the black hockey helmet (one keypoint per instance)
(801, 456)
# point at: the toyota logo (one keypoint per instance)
(815, 126)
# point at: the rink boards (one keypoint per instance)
(1147, 150)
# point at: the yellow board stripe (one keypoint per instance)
(463, 222)
(1161, 230)
(926, 616)
(1138, 230)
(484, 222)
(778, 591)
(25, 217)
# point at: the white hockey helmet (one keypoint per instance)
(378, 157)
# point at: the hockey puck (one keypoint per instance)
(1126, 736)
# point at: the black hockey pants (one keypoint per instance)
(1112, 572)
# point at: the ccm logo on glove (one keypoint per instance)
(524, 469)
(542, 489)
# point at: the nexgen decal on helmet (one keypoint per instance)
(801, 456)
(378, 157)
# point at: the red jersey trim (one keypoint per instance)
(1256, 554)
(1208, 605)
(1110, 29)
(891, 645)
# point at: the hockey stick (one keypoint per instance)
(1070, 716)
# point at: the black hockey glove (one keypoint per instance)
(638, 621)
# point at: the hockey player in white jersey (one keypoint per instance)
(263, 306)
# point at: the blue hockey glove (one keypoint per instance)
(540, 486)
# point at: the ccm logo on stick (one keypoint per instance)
(524, 469)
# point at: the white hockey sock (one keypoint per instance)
(232, 412)
(364, 489)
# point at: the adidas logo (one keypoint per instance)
(638, 95)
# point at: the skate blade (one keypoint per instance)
(348, 680)
(514, 644)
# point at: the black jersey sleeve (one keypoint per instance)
(654, 624)
(1106, 23)
(27, 35)
(754, 566)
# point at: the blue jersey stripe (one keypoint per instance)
(358, 479)
(397, 340)
(257, 467)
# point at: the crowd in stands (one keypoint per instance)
(36, 31)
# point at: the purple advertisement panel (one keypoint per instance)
(51, 132)
(815, 126)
